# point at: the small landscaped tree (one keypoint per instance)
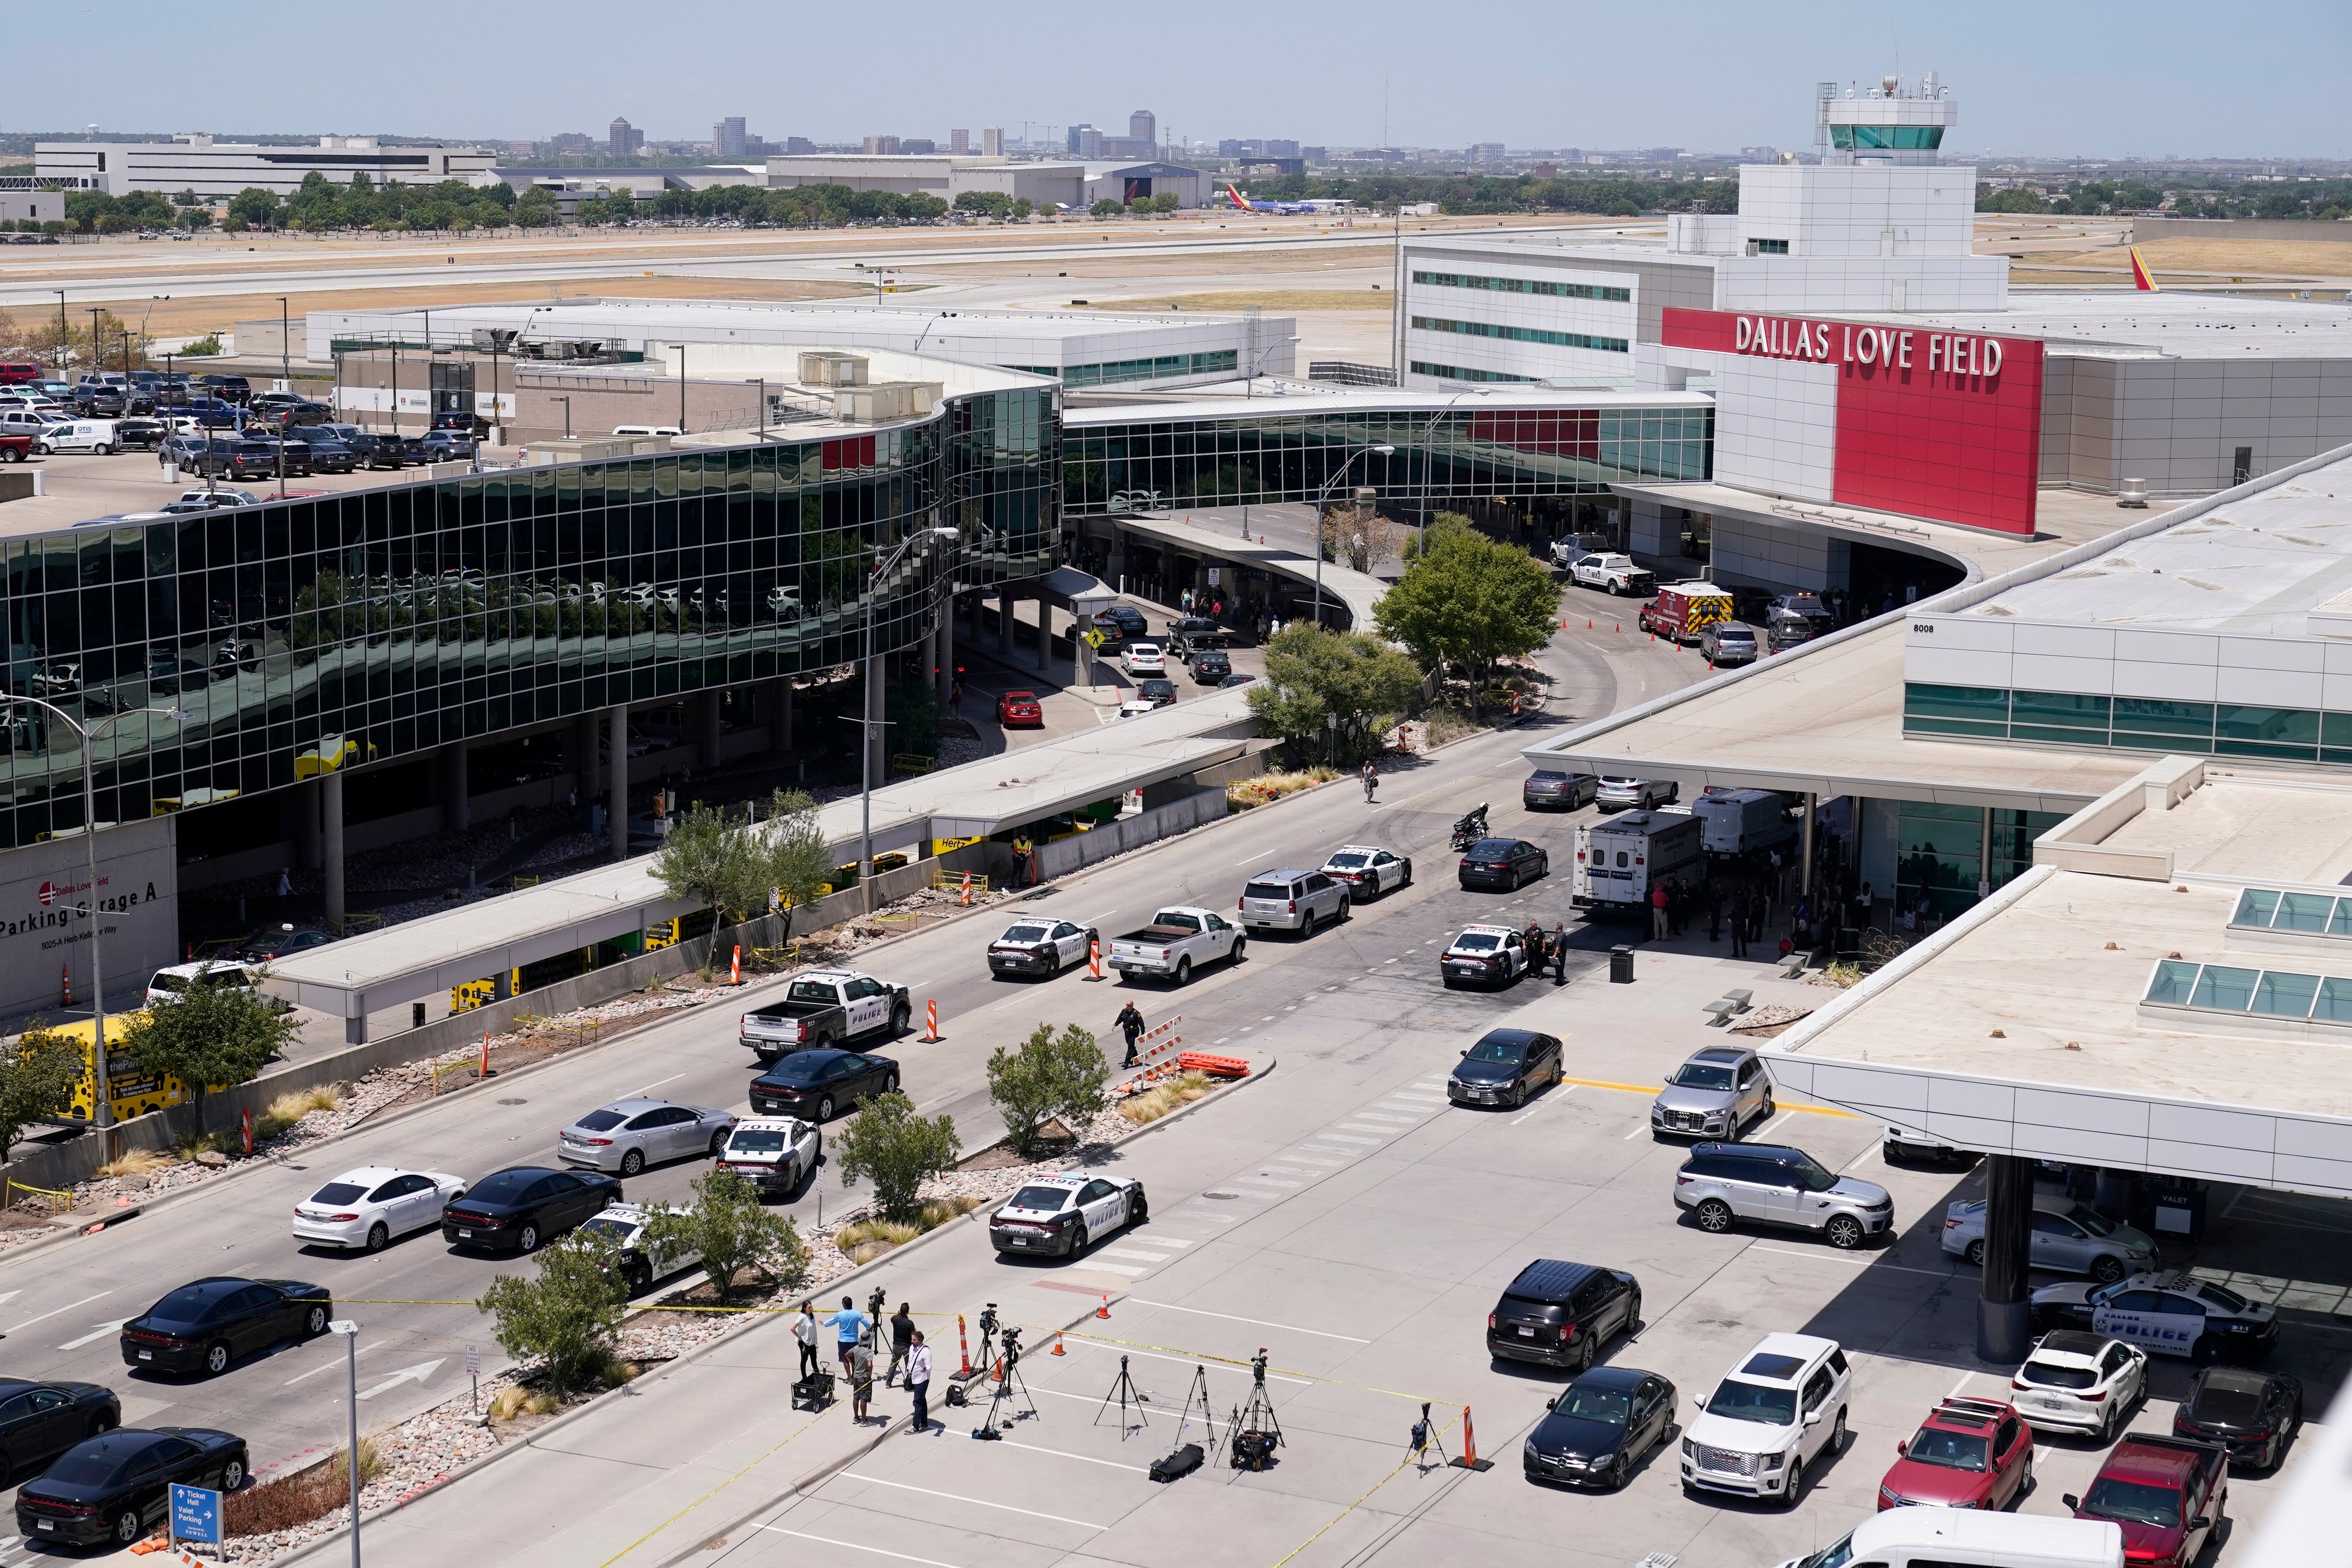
(729, 1228)
(715, 858)
(38, 1074)
(1051, 1075)
(899, 1150)
(798, 862)
(566, 1318)
(217, 1034)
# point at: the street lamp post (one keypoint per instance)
(866, 724)
(64, 332)
(1385, 451)
(567, 415)
(1429, 461)
(348, 1331)
(1249, 390)
(101, 1107)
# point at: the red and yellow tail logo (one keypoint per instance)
(2142, 279)
(1243, 203)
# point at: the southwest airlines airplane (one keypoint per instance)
(1275, 209)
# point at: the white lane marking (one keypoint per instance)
(1370, 1127)
(1758, 1136)
(854, 1546)
(1635, 1134)
(1340, 1138)
(1130, 1252)
(1231, 1317)
(1247, 1182)
(422, 1374)
(102, 1331)
(53, 1311)
(980, 1502)
(1565, 1091)
(1966, 1378)
(1324, 1164)
(1858, 1159)
(1856, 1262)
(655, 1084)
(1251, 861)
(330, 1367)
(1389, 1117)
(1326, 1148)
(1158, 1241)
(1126, 1270)
(1082, 1458)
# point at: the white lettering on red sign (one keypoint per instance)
(48, 895)
(1955, 353)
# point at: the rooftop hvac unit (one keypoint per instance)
(495, 339)
(822, 369)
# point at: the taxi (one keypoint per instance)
(2169, 1313)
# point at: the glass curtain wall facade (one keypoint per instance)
(1459, 456)
(1940, 851)
(2129, 723)
(293, 637)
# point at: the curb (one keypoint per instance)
(750, 1325)
(392, 1115)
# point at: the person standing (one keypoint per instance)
(1714, 910)
(860, 1365)
(849, 1330)
(1739, 923)
(902, 1338)
(804, 1330)
(1130, 1023)
(1862, 902)
(1658, 912)
(1372, 777)
(1558, 953)
(918, 1381)
(1020, 860)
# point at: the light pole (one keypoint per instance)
(1249, 391)
(1384, 451)
(1429, 461)
(102, 1106)
(285, 343)
(64, 332)
(866, 725)
(567, 415)
(348, 1331)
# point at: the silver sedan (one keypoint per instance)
(630, 1134)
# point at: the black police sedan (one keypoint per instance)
(205, 1325)
(2253, 1413)
(112, 1488)
(518, 1207)
(1504, 864)
(1601, 1428)
(1505, 1067)
(38, 1421)
(812, 1085)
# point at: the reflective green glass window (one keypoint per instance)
(2255, 908)
(2303, 911)
(2147, 716)
(2173, 983)
(2062, 710)
(2334, 1005)
(2225, 988)
(2281, 995)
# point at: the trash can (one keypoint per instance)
(1620, 966)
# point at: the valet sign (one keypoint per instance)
(1843, 343)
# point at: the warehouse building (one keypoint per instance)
(219, 169)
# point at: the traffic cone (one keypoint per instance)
(1620, 626)
(735, 967)
(1103, 1310)
(963, 1347)
(1094, 960)
(1587, 623)
(931, 1021)
(1058, 1349)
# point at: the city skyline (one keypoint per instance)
(2103, 81)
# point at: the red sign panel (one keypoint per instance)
(1929, 423)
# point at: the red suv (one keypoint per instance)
(2170, 1494)
(1968, 1453)
(17, 372)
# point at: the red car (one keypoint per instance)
(1968, 1453)
(1020, 707)
(16, 448)
(2170, 1494)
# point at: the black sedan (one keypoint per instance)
(2253, 1413)
(1504, 1068)
(518, 1207)
(112, 1488)
(1210, 666)
(207, 1325)
(1549, 789)
(1506, 865)
(38, 1421)
(1599, 1430)
(813, 1085)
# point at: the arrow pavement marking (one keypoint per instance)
(421, 1373)
(102, 1331)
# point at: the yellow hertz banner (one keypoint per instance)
(133, 1090)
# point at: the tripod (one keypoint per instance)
(1423, 1437)
(1198, 1395)
(1009, 1387)
(1254, 1434)
(1123, 1389)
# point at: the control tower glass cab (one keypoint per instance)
(1893, 122)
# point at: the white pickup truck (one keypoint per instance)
(1179, 939)
(1610, 573)
(825, 1007)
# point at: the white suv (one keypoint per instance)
(1777, 1413)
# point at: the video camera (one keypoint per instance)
(987, 1319)
(1010, 1342)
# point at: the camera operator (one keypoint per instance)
(902, 1336)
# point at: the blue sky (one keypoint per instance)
(2073, 78)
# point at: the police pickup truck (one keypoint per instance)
(1178, 940)
(825, 1007)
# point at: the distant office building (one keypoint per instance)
(959, 142)
(1316, 155)
(798, 146)
(992, 141)
(727, 138)
(623, 139)
(1143, 126)
(1486, 152)
(1759, 155)
(221, 169)
(569, 142)
(1085, 142)
(1278, 148)
(883, 146)
(918, 146)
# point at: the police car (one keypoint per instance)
(1061, 1215)
(1370, 869)
(2172, 1313)
(623, 1227)
(1484, 955)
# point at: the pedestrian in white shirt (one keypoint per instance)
(804, 1330)
(918, 1381)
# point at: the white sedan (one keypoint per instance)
(1143, 659)
(364, 1210)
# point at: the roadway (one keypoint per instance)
(59, 1307)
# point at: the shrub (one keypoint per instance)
(899, 1150)
(37, 1074)
(1159, 1101)
(137, 1163)
(728, 1226)
(864, 1240)
(298, 1499)
(567, 1317)
(289, 1109)
(1049, 1076)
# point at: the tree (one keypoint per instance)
(1105, 208)
(1023, 206)
(1049, 1076)
(216, 1035)
(253, 206)
(899, 1150)
(1165, 202)
(798, 861)
(731, 1230)
(1359, 535)
(209, 344)
(537, 208)
(1468, 603)
(567, 1317)
(714, 855)
(995, 204)
(1312, 673)
(38, 1074)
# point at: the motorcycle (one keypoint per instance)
(1471, 827)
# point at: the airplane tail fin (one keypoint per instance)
(1241, 203)
(2142, 278)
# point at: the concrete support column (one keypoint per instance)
(1045, 636)
(587, 771)
(707, 724)
(1984, 856)
(2004, 1310)
(302, 824)
(943, 660)
(456, 789)
(779, 714)
(330, 816)
(617, 770)
(1805, 852)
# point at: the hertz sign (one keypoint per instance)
(1936, 425)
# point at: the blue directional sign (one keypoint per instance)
(196, 1514)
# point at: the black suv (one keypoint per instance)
(1557, 1314)
(100, 400)
(138, 435)
(240, 459)
(227, 388)
(376, 450)
(329, 455)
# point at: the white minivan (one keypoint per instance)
(93, 435)
(166, 984)
(1961, 1538)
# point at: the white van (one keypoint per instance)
(166, 984)
(93, 435)
(1963, 1538)
(647, 430)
